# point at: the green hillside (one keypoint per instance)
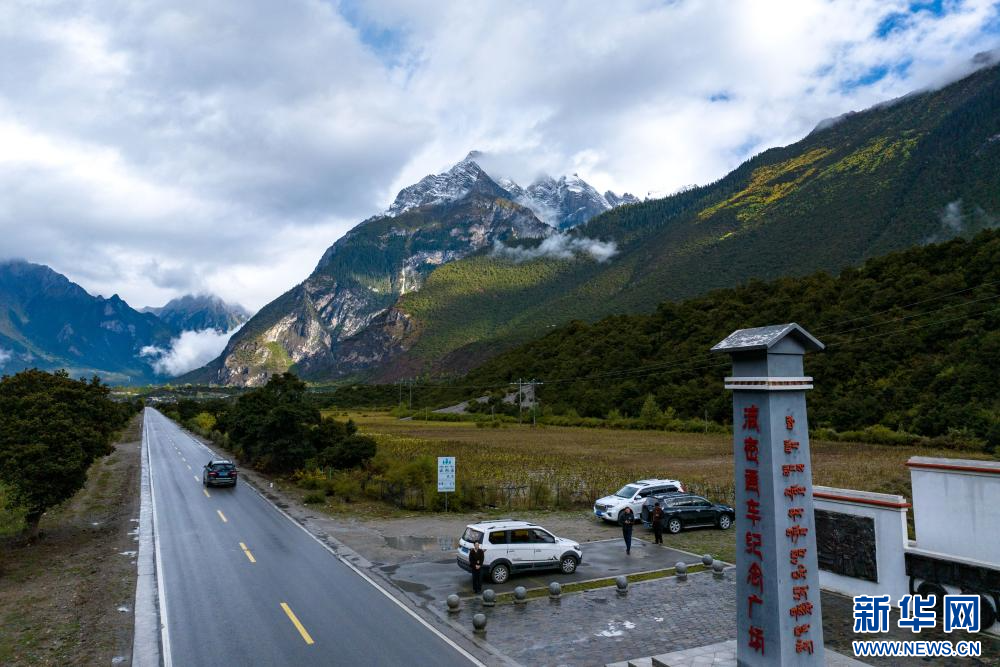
(911, 338)
(923, 168)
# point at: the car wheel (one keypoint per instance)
(725, 522)
(499, 573)
(674, 526)
(568, 564)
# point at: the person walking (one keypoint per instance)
(658, 523)
(628, 519)
(476, 558)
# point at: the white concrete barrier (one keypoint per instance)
(956, 507)
(887, 514)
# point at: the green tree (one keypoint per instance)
(650, 414)
(51, 430)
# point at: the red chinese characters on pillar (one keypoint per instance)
(789, 422)
(751, 449)
(756, 641)
(750, 415)
(800, 593)
(800, 630)
(751, 601)
(751, 481)
(795, 554)
(791, 446)
(753, 542)
(753, 512)
(795, 513)
(804, 646)
(755, 577)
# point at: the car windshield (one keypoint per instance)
(627, 491)
(472, 535)
(222, 466)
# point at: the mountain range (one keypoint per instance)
(50, 322)
(463, 266)
(441, 219)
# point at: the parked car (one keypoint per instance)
(610, 508)
(517, 546)
(686, 510)
(219, 472)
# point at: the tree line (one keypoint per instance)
(277, 428)
(52, 428)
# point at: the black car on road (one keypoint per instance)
(686, 510)
(219, 472)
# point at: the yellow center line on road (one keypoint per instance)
(222, 516)
(298, 626)
(247, 552)
(205, 491)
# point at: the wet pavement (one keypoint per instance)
(434, 580)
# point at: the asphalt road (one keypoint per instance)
(243, 585)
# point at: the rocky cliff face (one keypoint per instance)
(360, 277)
(198, 312)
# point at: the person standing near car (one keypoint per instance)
(476, 558)
(658, 523)
(628, 519)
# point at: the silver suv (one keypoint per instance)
(517, 546)
(611, 508)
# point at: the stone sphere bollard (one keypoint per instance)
(681, 570)
(622, 583)
(555, 590)
(479, 623)
(520, 595)
(489, 598)
(706, 560)
(717, 569)
(453, 603)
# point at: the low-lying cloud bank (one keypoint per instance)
(190, 350)
(5, 356)
(559, 246)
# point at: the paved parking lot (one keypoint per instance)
(430, 580)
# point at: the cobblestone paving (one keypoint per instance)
(598, 627)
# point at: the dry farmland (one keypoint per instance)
(587, 463)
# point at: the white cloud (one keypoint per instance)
(5, 356)
(558, 246)
(161, 147)
(190, 350)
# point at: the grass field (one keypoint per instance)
(599, 461)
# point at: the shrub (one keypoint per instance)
(314, 498)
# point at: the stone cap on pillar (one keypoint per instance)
(767, 338)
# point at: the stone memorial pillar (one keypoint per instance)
(778, 617)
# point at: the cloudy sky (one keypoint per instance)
(160, 147)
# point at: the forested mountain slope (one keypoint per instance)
(913, 344)
(919, 169)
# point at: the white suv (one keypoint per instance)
(610, 508)
(516, 546)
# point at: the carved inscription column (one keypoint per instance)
(778, 618)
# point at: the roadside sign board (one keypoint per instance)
(446, 474)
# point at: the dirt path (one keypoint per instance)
(67, 600)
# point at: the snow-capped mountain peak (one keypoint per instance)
(561, 203)
(451, 185)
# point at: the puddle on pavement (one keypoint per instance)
(413, 543)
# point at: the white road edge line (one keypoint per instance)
(471, 658)
(164, 634)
